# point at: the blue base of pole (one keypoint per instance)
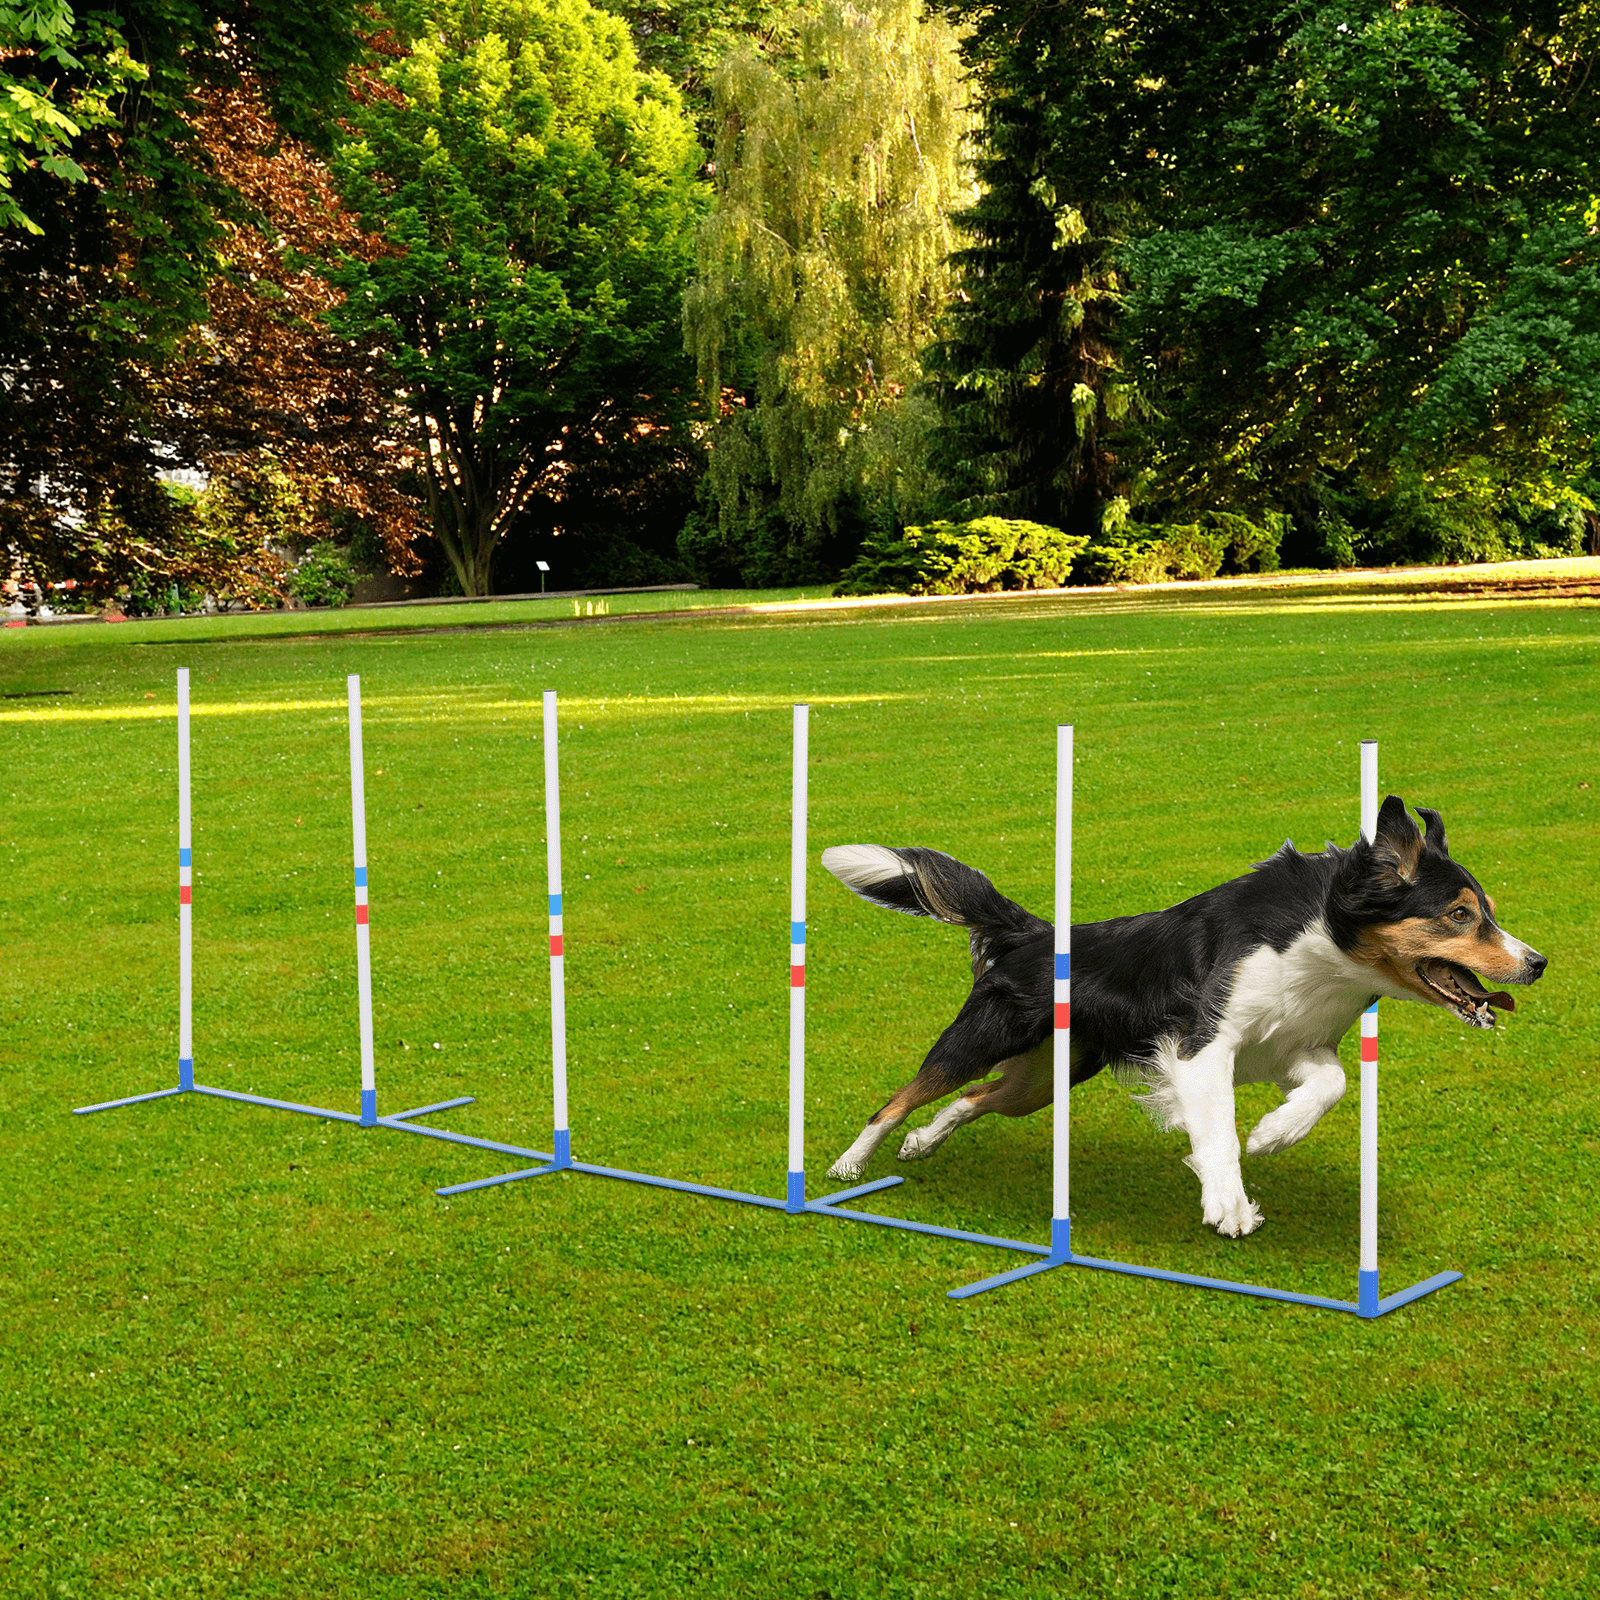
(131, 1100)
(1367, 1293)
(682, 1186)
(369, 1108)
(797, 1192)
(563, 1143)
(185, 1074)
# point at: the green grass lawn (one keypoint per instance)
(251, 1354)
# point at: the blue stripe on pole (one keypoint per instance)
(184, 854)
(555, 905)
(1372, 1010)
(1063, 966)
(361, 877)
(797, 933)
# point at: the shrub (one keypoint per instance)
(978, 557)
(1161, 552)
(323, 577)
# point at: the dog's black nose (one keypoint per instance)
(1535, 964)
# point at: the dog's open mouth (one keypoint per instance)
(1459, 989)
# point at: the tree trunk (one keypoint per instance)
(461, 492)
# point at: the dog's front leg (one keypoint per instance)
(1203, 1089)
(1312, 1087)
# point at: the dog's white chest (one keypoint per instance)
(1286, 1003)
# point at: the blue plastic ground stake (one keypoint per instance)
(504, 1177)
(131, 1100)
(816, 1208)
(854, 1194)
(681, 1186)
(427, 1111)
(276, 1105)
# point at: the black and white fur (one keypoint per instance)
(1255, 981)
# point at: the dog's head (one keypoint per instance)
(1402, 906)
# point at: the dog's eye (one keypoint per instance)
(1461, 914)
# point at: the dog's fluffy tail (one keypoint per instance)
(928, 883)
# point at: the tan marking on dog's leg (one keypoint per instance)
(928, 1085)
(1026, 1083)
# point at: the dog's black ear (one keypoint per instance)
(1397, 843)
(1433, 830)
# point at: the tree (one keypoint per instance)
(536, 191)
(113, 216)
(1345, 241)
(266, 375)
(1398, 277)
(1026, 372)
(687, 40)
(820, 273)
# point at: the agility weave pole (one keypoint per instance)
(794, 1199)
(1368, 1302)
(367, 1116)
(1059, 1251)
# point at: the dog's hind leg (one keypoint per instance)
(1312, 1087)
(1026, 1083)
(990, 1028)
(935, 1080)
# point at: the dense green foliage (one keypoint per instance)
(536, 189)
(113, 224)
(1142, 552)
(983, 556)
(820, 271)
(1349, 250)
(1111, 268)
(250, 1354)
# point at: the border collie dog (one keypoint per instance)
(1255, 981)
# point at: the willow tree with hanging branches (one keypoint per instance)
(821, 272)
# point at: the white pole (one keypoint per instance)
(1367, 1280)
(358, 833)
(185, 896)
(558, 980)
(1061, 1223)
(797, 964)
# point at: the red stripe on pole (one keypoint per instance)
(555, 944)
(797, 977)
(184, 893)
(1063, 1013)
(361, 916)
(1369, 1048)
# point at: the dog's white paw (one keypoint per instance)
(846, 1170)
(1233, 1215)
(917, 1146)
(1279, 1129)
